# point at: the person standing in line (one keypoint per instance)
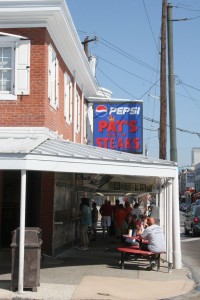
(114, 211)
(137, 211)
(106, 214)
(120, 222)
(94, 220)
(128, 208)
(85, 222)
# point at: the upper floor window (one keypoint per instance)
(14, 66)
(78, 112)
(67, 98)
(53, 84)
(6, 67)
(85, 123)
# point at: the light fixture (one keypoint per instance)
(100, 194)
(128, 194)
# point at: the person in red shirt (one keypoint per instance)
(106, 214)
(120, 221)
(128, 208)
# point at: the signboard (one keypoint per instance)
(190, 179)
(118, 126)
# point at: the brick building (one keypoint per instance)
(46, 165)
(45, 81)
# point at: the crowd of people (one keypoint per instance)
(116, 220)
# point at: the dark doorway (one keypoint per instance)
(11, 203)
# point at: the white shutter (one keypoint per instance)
(66, 96)
(57, 84)
(49, 72)
(22, 67)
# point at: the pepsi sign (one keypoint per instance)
(118, 126)
(101, 110)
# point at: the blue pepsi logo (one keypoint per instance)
(101, 110)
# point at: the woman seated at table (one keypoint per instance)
(135, 225)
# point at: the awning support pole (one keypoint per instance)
(176, 226)
(22, 232)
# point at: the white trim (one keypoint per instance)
(8, 97)
(83, 165)
(17, 37)
(97, 99)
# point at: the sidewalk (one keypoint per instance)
(96, 274)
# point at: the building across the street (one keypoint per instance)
(195, 155)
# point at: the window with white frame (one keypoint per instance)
(14, 66)
(67, 98)
(85, 122)
(78, 112)
(53, 83)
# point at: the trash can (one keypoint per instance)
(32, 258)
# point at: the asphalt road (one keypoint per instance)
(190, 248)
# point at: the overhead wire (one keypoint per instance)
(131, 57)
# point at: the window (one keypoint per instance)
(85, 121)
(67, 98)
(53, 83)
(6, 66)
(14, 67)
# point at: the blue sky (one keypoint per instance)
(128, 55)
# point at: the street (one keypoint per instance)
(190, 251)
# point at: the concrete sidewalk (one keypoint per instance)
(96, 274)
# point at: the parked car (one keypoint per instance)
(192, 220)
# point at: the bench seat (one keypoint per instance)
(151, 256)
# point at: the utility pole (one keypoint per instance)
(163, 101)
(86, 42)
(172, 104)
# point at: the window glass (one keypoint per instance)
(5, 69)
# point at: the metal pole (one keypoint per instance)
(177, 256)
(22, 232)
(169, 226)
(172, 104)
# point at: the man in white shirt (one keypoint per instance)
(155, 237)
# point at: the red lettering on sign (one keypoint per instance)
(133, 127)
(102, 125)
(136, 141)
(120, 143)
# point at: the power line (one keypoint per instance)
(150, 25)
(126, 54)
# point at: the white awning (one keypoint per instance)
(57, 155)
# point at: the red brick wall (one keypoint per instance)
(34, 109)
(46, 215)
